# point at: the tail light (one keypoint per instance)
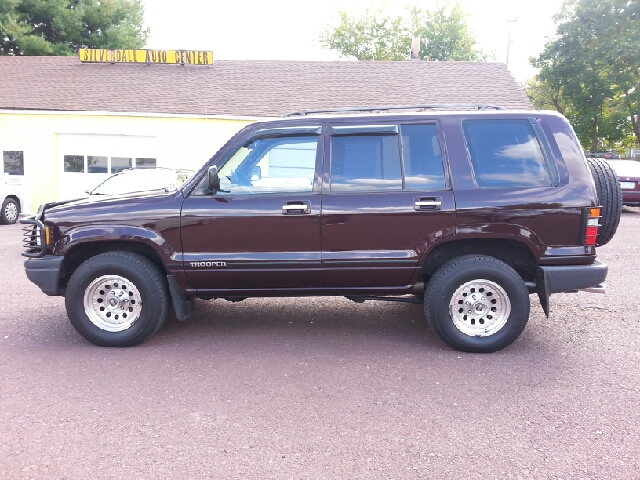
(591, 225)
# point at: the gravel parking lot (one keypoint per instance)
(323, 388)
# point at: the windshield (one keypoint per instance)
(141, 180)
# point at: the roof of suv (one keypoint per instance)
(392, 112)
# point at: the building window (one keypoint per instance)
(145, 163)
(97, 164)
(120, 163)
(13, 162)
(74, 163)
(102, 164)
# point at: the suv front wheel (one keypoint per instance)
(476, 303)
(117, 299)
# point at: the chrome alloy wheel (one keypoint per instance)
(112, 303)
(479, 308)
(11, 212)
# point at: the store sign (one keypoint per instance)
(181, 57)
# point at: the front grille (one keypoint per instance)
(33, 238)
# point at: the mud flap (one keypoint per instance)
(181, 305)
(542, 289)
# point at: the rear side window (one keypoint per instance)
(365, 162)
(506, 154)
(404, 156)
(422, 156)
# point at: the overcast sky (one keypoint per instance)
(289, 29)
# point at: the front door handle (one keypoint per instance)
(428, 203)
(296, 208)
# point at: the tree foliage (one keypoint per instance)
(591, 70)
(61, 27)
(377, 35)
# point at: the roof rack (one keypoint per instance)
(419, 108)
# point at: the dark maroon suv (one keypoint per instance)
(469, 209)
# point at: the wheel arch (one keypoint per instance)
(514, 253)
(16, 198)
(77, 254)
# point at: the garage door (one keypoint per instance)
(86, 160)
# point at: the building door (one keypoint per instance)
(86, 160)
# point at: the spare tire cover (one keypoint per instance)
(609, 197)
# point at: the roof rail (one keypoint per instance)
(433, 106)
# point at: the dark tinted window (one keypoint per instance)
(505, 153)
(13, 163)
(365, 162)
(422, 156)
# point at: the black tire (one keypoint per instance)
(132, 276)
(10, 211)
(609, 197)
(479, 275)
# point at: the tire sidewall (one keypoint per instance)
(441, 294)
(153, 304)
(4, 220)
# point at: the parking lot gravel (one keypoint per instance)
(319, 388)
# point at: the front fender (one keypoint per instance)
(76, 236)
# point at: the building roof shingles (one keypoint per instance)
(249, 87)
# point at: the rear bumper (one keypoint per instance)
(566, 278)
(45, 273)
(569, 278)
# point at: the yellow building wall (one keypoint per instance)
(182, 142)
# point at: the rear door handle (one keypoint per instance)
(428, 203)
(296, 208)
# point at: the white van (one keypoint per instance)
(12, 187)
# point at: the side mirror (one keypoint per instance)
(256, 173)
(88, 191)
(214, 180)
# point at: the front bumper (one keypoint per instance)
(45, 273)
(568, 278)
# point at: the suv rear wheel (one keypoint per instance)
(117, 299)
(477, 303)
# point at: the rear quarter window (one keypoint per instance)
(506, 154)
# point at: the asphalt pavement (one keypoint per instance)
(323, 388)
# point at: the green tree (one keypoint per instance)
(61, 27)
(374, 36)
(591, 70)
(377, 35)
(444, 34)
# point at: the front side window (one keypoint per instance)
(270, 165)
(506, 154)
(13, 162)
